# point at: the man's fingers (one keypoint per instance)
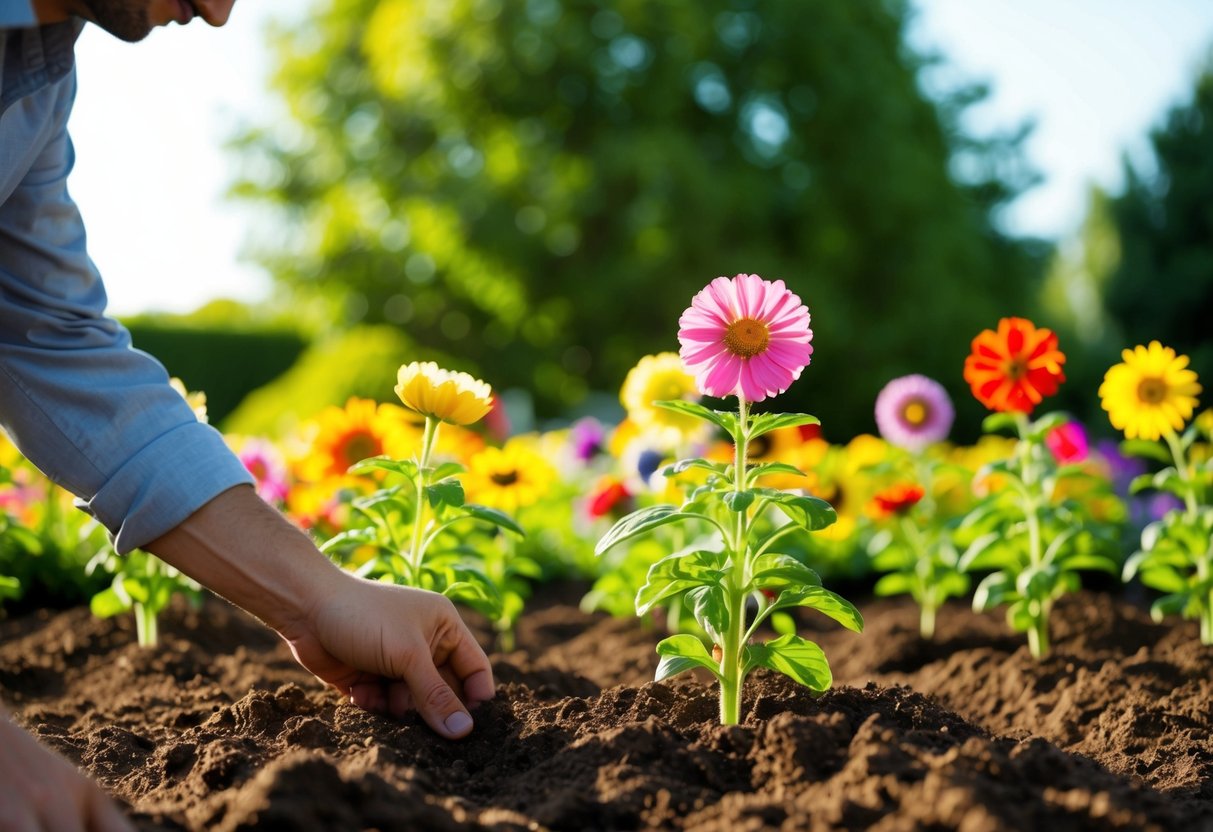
(369, 696)
(435, 701)
(399, 699)
(106, 817)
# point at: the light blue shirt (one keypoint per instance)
(95, 415)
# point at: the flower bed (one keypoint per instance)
(222, 730)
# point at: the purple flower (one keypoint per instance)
(1123, 469)
(914, 411)
(588, 438)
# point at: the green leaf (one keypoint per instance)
(1098, 563)
(795, 657)
(1164, 579)
(999, 421)
(825, 602)
(681, 653)
(723, 419)
(447, 469)
(385, 463)
(775, 571)
(993, 590)
(738, 501)
(448, 492)
(639, 522)
(384, 496)
(491, 515)
(768, 468)
(677, 573)
(812, 513)
(897, 583)
(782, 623)
(1168, 605)
(1140, 483)
(133, 588)
(349, 537)
(711, 610)
(1146, 449)
(1048, 422)
(1019, 618)
(723, 469)
(107, 603)
(986, 552)
(764, 423)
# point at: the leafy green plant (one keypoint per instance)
(410, 521)
(141, 583)
(1031, 533)
(918, 553)
(742, 569)
(1176, 554)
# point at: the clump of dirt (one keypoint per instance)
(219, 729)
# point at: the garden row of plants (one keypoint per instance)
(718, 523)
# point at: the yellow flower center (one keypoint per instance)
(747, 337)
(1151, 390)
(1016, 369)
(915, 413)
(360, 446)
(504, 478)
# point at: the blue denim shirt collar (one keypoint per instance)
(35, 57)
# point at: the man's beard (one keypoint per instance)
(125, 19)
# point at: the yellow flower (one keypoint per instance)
(510, 477)
(448, 396)
(196, 401)
(660, 377)
(358, 431)
(1151, 394)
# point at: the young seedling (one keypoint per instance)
(142, 583)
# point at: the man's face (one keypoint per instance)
(132, 20)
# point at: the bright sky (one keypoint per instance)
(151, 120)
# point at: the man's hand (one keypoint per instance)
(389, 648)
(393, 649)
(41, 792)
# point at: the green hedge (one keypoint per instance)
(227, 364)
(361, 362)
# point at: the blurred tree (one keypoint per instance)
(540, 186)
(1072, 304)
(1163, 286)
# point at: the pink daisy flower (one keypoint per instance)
(914, 411)
(1068, 443)
(745, 337)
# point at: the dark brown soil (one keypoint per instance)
(219, 729)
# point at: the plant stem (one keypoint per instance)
(416, 550)
(926, 620)
(145, 625)
(1181, 467)
(730, 660)
(1038, 635)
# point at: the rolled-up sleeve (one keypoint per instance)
(94, 414)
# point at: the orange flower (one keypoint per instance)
(358, 431)
(1013, 369)
(896, 499)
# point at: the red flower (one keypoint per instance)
(1013, 369)
(608, 498)
(1068, 443)
(896, 499)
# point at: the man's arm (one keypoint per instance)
(390, 648)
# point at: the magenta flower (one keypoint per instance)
(1068, 443)
(745, 337)
(914, 411)
(265, 463)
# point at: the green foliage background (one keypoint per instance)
(540, 186)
